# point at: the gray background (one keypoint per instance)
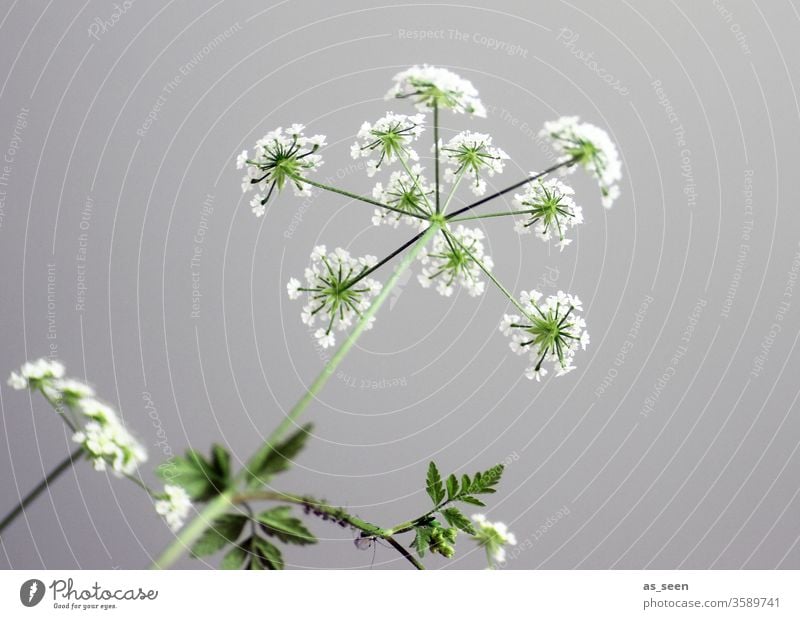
(705, 477)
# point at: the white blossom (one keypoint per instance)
(279, 158)
(388, 139)
(472, 154)
(32, 373)
(592, 148)
(551, 331)
(106, 441)
(494, 537)
(338, 291)
(174, 505)
(67, 390)
(549, 210)
(293, 288)
(450, 261)
(428, 86)
(404, 192)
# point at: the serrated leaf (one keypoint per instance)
(279, 522)
(267, 554)
(452, 487)
(471, 500)
(422, 538)
(456, 519)
(223, 531)
(483, 482)
(466, 482)
(280, 457)
(434, 484)
(234, 558)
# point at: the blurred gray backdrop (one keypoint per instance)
(129, 252)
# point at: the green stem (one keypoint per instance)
(436, 147)
(453, 191)
(319, 508)
(402, 550)
(415, 180)
(335, 513)
(355, 196)
(191, 532)
(40, 487)
(489, 275)
(490, 215)
(502, 192)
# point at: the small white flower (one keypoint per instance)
(493, 537)
(34, 374)
(338, 289)
(388, 139)
(550, 331)
(428, 86)
(404, 192)
(106, 441)
(281, 157)
(174, 505)
(17, 381)
(293, 288)
(473, 154)
(67, 390)
(592, 148)
(451, 262)
(549, 209)
(325, 339)
(241, 160)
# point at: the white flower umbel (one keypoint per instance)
(550, 331)
(450, 262)
(406, 193)
(34, 374)
(338, 290)
(472, 154)
(431, 86)
(592, 148)
(174, 505)
(549, 210)
(388, 139)
(279, 158)
(494, 537)
(106, 441)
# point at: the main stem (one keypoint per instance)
(192, 531)
(41, 487)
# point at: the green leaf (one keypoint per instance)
(456, 519)
(484, 482)
(280, 457)
(234, 558)
(267, 554)
(279, 522)
(221, 461)
(191, 472)
(422, 538)
(471, 500)
(202, 479)
(452, 487)
(434, 484)
(223, 531)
